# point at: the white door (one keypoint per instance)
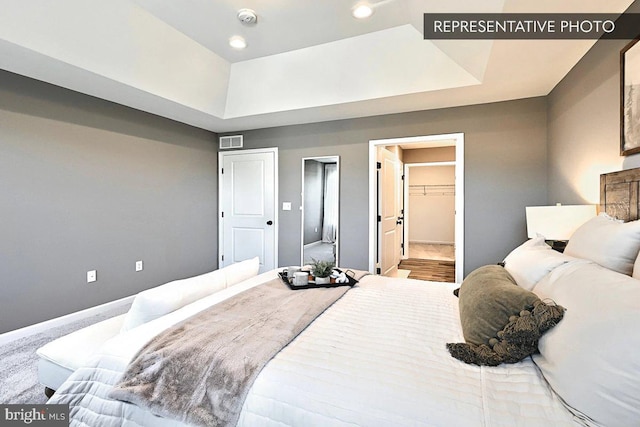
(390, 229)
(248, 213)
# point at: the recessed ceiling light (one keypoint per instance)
(237, 42)
(362, 11)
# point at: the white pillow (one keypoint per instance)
(156, 302)
(636, 268)
(531, 261)
(240, 271)
(608, 242)
(591, 358)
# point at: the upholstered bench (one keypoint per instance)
(61, 357)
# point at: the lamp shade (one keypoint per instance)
(557, 222)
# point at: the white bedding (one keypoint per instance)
(377, 357)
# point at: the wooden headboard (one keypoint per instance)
(619, 194)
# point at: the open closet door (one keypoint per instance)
(389, 212)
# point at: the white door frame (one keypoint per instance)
(459, 198)
(407, 168)
(276, 198)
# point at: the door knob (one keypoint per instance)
(269, 222)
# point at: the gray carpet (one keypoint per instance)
(19, 362)
(319, 252)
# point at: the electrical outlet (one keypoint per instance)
(138, 265)
(92, 276)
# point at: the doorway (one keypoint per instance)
(447, 234)
(429, 212)
(429, 194)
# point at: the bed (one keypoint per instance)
(378, 355)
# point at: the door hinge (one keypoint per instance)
(378, 165)
(402, 211)
(402, 177)
(378, 271)
(221, 171)
(221, 257)
(379, 218)
(402, 246)
(222, 214)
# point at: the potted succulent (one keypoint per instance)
(321, 270)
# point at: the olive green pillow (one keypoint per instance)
(501, 321)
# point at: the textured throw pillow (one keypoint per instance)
(531, 261)
(591, 358)
(501, 321)
(608, 242)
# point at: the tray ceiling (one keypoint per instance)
(306, 61)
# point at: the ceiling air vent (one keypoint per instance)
(232, 141)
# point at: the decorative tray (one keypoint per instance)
(312, 284)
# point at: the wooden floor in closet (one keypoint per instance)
(427, 269)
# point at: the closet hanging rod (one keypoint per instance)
(432, 190)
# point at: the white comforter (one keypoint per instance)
(377, 357)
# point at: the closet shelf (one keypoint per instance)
(432, 190)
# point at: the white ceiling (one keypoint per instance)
(306, 61)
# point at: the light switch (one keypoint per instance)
(286, 206)
(138, 265)
(92, 276)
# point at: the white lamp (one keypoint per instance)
(557, 223)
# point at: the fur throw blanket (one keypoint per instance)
(200, 370)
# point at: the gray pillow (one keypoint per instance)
(501, 321)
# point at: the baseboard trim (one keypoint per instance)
(16, 334)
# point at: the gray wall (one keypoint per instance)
(87, 184)
(313, 200)
(584, 125)
(505, 170)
